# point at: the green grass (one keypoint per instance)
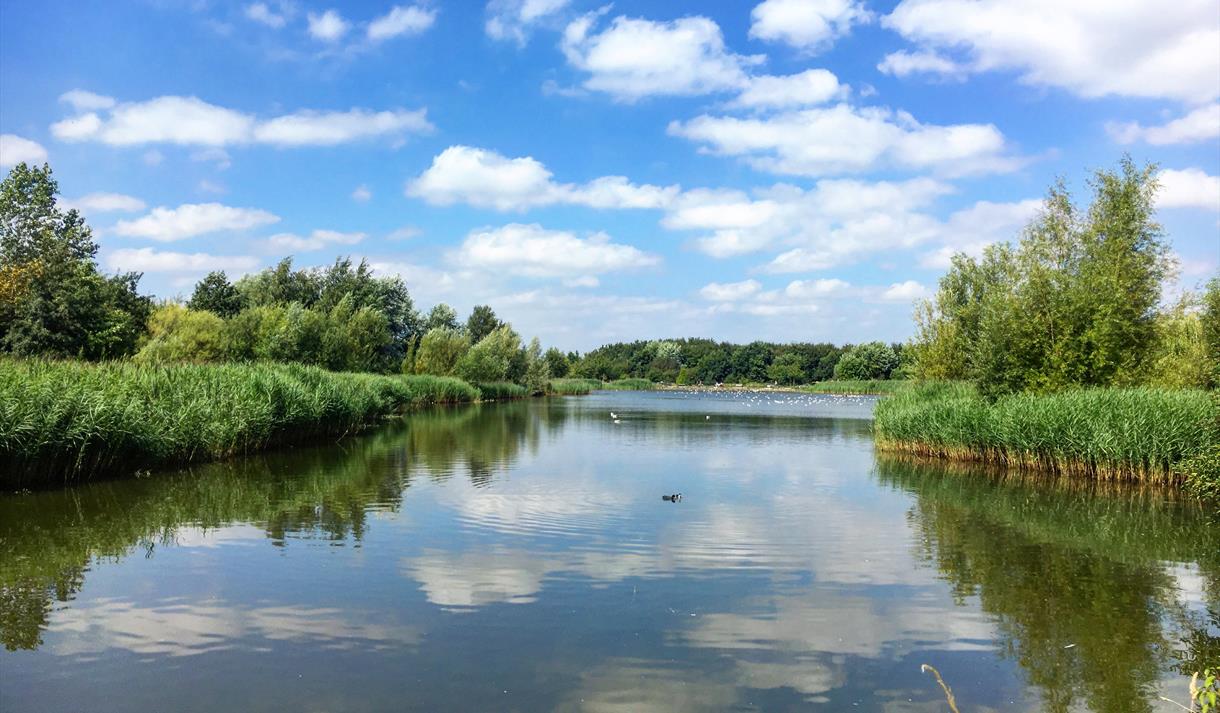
(571, 387)
(629, 385)
(1139, 434)
(63, 421)
(883, 387)
(501, 391)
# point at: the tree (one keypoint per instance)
(1211, 329)
(482, 322)
(491, 358)
(786, 369)
(53, 300)
(215, 294)
(440, 350)
(713, 367)
(874, 360)
(179, 334)
(442, 316)
(536, 371)
(556, 363)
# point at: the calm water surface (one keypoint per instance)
(519, 557)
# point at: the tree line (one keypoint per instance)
(1078, 301)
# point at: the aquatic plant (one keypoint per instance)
(851, 387)
(629, 385)
(1141, 434)
(571, 387)
(501, 390)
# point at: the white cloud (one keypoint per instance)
(401, 20)
(316, 240)
(729, 291)
(261, 13)
(972, 229)
(831, 224)
(216, 156)
(327, 27)
(82, 100)
(152, 157)
(192, 121)
(487, 179)
(1093, 48)
(513, 19)
(903, 63)
(151, 260)
(808, 24)
(105, 203)
(845, 139)
(533, 251)
(904, 292)
(813, 86)
(191, 219)
(14, 150)
(1188, 188)
(362, 194)
(311, 128)
(1199, 125)
(404, 233)
(635, 58)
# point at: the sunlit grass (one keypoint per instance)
(501, 390)
(572, 387)
(629, 385)
(875, 386)
(1140, 434)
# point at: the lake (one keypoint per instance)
(520, 557)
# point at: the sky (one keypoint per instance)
(789, 170)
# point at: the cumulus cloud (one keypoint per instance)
(316, 240)
(813, 86)
(328, 26)
(262, 13)
(972, 229)
(486, 179)
(82, 100)
(514, 19)
(191, 219)
(904, 63)
(362, 194)
(15, 149)
(904, 292)
(846, 139)
(1199, 125)
(729, 291)
(105, 203)
(1092, 49)
(401, 21)
(635, 58)
(194, 122)
(533, 251)
(151, 260)
(1188, 188)
(808, 24)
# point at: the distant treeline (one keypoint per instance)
(705, 361)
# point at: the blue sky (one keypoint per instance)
(787, 169)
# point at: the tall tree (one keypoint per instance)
(482, 321)
(53, 300)
(442, 316)
(217, 295)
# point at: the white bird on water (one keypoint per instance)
(613, 415)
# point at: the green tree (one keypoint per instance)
(536, 371)
(179, 334)
(482, 322)
(491, 358)
(215, 294)
(873, 360)
(786, 369)
(442, 316)
(556, 363)
(440, 350)
(55, 302)
(1211, 328)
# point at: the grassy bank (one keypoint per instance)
(572, 387)
(854, 388)
(629, 385)
(71, 421)
(1138, 434)
(501, 391)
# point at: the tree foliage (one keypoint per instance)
(440, 350)
(217, 295)
(482, 322)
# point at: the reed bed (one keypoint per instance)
(629, 385)
(501, 391)
(63, 421)
(571, 387)
(1135, 434)
(855, 388)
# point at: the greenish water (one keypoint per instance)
(519, 557)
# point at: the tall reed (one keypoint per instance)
(571, 387)
(855, 388)
(629, 385)
(62, 421)
(1139, 434)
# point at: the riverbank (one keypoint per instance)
(65, 421)
(1134, 434)
(836, 388)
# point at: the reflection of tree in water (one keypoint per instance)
(48, 540)
(1076, 578)
(483, 439)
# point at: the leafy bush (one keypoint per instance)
(865, 362)
(502, 391)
